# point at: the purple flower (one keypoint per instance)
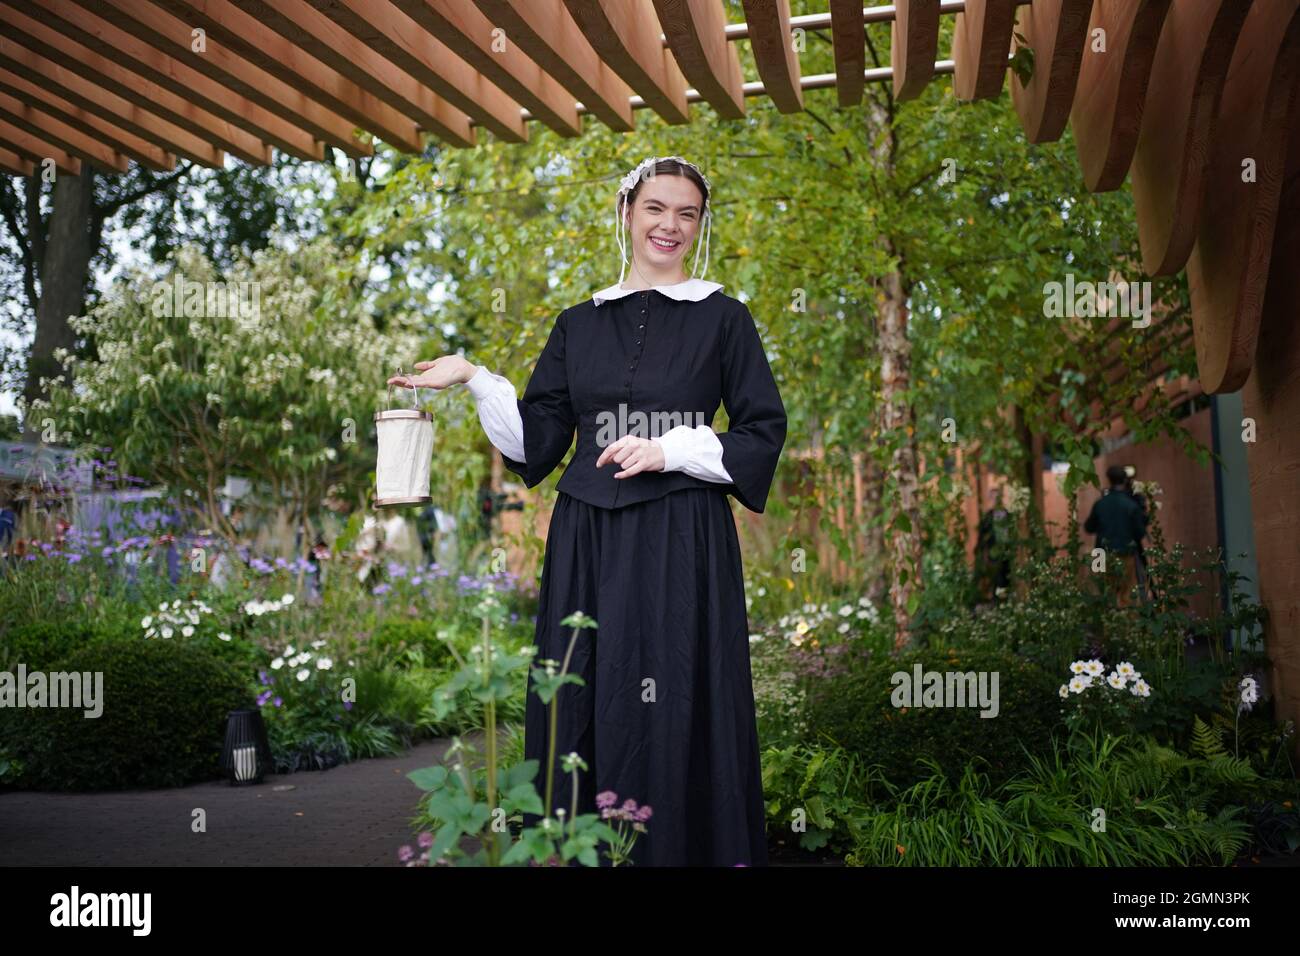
(347, 705)
(279, 701)
(73, 558)
(425, 840)
(263, 697)
(606, 799)
(642, 815)
(261, 676)
(380, 589)
(405, 854)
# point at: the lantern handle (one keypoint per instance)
(413, 389)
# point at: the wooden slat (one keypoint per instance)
(468, 33)
(37, 150)
(43, 125)
(96, 99)
(1056, 31)
(848, 42)
(1187, 77)
(16, 165)
(697, 34)
(980, 46)
(1107, 112)
(153, 72)
(1228, 270)
(265, 49)
(1271, 399)
(92, 126)
(913, 44)
(545, 31)
(324, 39)
(395, 37)
(172, 37)
(627, 37)
(774, 55)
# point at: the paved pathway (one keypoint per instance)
(356, 814)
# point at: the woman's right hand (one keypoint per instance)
(438, 374)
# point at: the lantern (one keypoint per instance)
(405, 453)
(246, 755)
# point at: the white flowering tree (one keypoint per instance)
(271, 372)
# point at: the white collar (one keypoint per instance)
(692, 289)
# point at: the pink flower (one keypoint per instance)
(426, 839)
(405, 854)
(606, 799)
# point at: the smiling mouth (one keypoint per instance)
(666, 244)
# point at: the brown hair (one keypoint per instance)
(671, 167)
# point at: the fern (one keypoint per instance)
(1205, 741)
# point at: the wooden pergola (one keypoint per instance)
(1195, 101)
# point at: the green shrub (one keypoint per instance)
(394, 637)
(163, 721)
(856, 712)
(38, 644)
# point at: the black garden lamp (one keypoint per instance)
(246, 754)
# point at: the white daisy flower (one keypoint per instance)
(187, 630)
(1140, 688)
(287, 600)
(223, 636)
(147, 622)
(167, 631)
(846, 610)
(1079, 667)
(1114, 680)
(1078, 685)
(277, 663)
(1125, 670)
(303, 674)
(1095, 668)
(324, 664)
(1064, 691)
(843, 628)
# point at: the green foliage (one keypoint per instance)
(163, 721)
(394, 637)
(1096, 802)
(856, 712)
(813, 793)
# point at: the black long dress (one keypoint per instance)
(666, 715)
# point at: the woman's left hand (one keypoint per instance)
(635, 454)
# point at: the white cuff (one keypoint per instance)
(694, 451)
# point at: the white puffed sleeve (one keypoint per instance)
(498, 411)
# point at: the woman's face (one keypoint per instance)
(664, 220)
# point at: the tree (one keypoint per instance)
(270, 371)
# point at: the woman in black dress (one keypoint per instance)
(642, 537)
